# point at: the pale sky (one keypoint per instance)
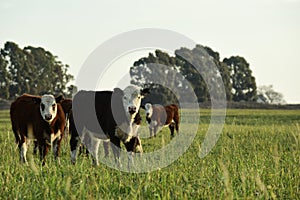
(265, 32)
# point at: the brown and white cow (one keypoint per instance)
(38, 118)
(158, 116)
(106, 115)
(66, 105)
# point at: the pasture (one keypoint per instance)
(256, 157)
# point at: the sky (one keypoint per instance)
(265, 32)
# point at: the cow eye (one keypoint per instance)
(42, 107)
(124, 97)
(53, 106)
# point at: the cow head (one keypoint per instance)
(149, 112)
(156, 115)
(132, 97)
(48, 106)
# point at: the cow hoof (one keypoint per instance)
(95, 164)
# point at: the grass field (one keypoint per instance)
(256, 157)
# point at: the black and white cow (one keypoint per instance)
(106, 115)
(40, 119)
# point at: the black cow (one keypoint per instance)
(106, 115)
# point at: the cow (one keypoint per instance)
(158, 116)
(38, 118)
(106, 115)
(66, 105)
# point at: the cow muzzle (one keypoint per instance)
(132, 110)
(48, 117)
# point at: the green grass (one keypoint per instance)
(256, 157)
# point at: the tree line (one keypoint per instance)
(239, 83)
(35, 70)
(32, 70)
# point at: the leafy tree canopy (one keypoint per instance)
(235, 72)
(31, 70)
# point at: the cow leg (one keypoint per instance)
(43, 148)
(74, 143)
(106, 148)
(56, 148)
(130, 160)
(94, 148)
(35, 149)
(23, 150)
(155, 130)
(116, 147)
(176, 120)
(171, 127)
(150, 130)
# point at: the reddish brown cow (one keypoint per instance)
(38, 118)
(158, 116)
(67, 107)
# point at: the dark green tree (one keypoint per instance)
(243, 83)
(224, 71)
(202, 71)
(18, 68)
(157, 72)
(34, 70)
(4, 79)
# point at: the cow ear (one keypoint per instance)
(118, 91)
(145, 91)
(36, 100)
(59, 99)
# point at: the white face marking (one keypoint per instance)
(132, 100)
(149, 109)
(48, 107)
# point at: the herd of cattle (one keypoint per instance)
(89, 118)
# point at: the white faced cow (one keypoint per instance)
(37, 118)
(106, 115)
(158, 116)
(66, 105)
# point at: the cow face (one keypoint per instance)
(149, 111)
(132, 97)
(48, 107)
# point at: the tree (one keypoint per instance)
(188, 59)
(18, 68)
(202, 68)
(198, 69)
(32, 70)
(224, 71)
(243, 83)
(269, 95)
(157, 72)
(4, 79)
